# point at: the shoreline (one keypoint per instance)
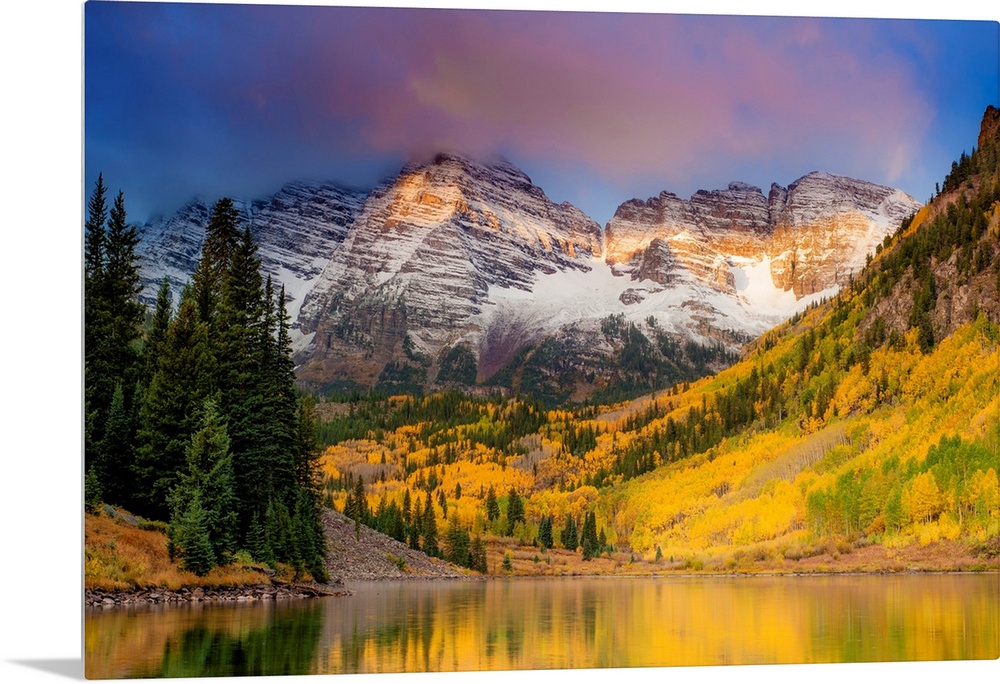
(109, 598)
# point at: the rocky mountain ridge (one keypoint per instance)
(455, 269)
(296, 230)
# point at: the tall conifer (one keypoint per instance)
(169, 415)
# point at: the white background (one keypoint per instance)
(40, 257)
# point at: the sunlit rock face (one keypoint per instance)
(827, 226)
(415, 272)
(812, 236)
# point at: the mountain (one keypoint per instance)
(296, 230)
(863, 434)
(804, 239)
(459, 273)
(417, 271)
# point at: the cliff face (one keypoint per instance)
(415, 272)
(812, 236)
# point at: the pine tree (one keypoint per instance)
(545, 532)
(492, 506)
(588, 536)
(91, 491)
(417, 526)
(169, 415)
(515, 510)
(156, 338)
(190, 538)
(209, 478)
(457, 543)
(477, 555)
(221, 235)
(115, 453)
(568, 536)
(257, 543)
(430, 546)
(112, 316)
(230, 339)
(95, 330)
(119, 288)
(95, 231)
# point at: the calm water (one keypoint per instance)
(559, 623)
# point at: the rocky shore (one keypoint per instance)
(100, 598)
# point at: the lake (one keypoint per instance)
(526, 623)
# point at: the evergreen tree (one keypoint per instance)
(515, 510)
(112, 322)
(568, 536)
(492, 505)
(119, 288)
(169, 415)
(157, 336)
(91, 491)
(115, 453)
(416, 527)
(190, 538)
(257, 543)
(545, 532)
(359, 501)
(221, 235)
(457, 543)
(430, 546)
(278, 530)
(230, 339)
(209, 478)
(588, 536)
(95, 231)
(477, 555)
(407, 507)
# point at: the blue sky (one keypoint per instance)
(596, 107)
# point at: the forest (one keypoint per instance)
(192, 419)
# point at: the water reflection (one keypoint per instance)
(561, 623)
(198, 640)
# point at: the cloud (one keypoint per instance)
(626, 94)
(251, 96)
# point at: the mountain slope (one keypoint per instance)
(421, 257)
(842, 429)
(296, 231)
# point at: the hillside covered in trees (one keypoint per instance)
(870, 420)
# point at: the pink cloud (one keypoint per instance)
(620, 94)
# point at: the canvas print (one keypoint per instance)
(435, 340)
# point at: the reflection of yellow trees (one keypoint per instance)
(533, 624)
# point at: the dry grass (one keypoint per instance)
(121, 557)
(826, 556)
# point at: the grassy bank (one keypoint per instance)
(831, 556)
(123, 553)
